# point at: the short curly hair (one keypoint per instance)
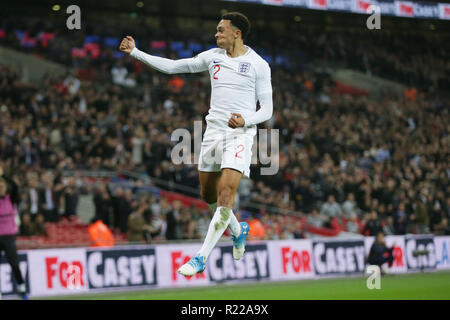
(240, 21)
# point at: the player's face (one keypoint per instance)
(225, 35)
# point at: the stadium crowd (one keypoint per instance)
(365, 164)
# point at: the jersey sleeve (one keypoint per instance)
(263, 80)
(263, 95)
(198, 63)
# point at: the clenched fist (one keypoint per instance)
(127, 44)
(236, 121)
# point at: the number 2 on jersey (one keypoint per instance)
(218, 69)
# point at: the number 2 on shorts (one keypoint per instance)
(237, 153)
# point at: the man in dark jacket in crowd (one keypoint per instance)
(379, 253)
(373, 225)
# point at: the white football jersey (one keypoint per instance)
(236, 84)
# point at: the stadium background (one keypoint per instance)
(362, 112)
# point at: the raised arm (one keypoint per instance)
(190, 65)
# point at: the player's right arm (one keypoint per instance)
(190, 65)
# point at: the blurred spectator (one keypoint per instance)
(119, 75)
(443, 229)
(173, 219)
(48, 200)
(349, 206)
(331, 208)
(257, 231)
(373, 225)
(388, 228)
(119, 205)
(273, 233)
(420, 219)
(32, 201)
(353, 224)
(187, 224)
(379, 253)
(138, 229)
(26, 226)
(102, 202)
(203, 224)
(70, 194)
(99, 234)
(400, 219)
(316, 219)
(298, 230)
(9, 198)
(126, 208)
(39, 226)
(155, 207)
(157, 226)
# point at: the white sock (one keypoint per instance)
(234, 226)
(218, 225)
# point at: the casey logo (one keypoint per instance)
(339, 257)
(121, 268)
(254, 264)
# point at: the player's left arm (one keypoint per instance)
(263, 95)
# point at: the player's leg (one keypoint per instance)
(229, 178)
(227, 187)
(237, 156)
(223, 185)
(9, 246)
(209, 191)
(209, 174)
(208, 185)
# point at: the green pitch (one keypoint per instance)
(433, 285)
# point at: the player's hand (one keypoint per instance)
(236, 121)
(127, 44)
(1, 169)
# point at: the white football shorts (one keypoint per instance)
(221, 150)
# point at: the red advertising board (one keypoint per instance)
(58, 271)
(290, 259)
(172, 257)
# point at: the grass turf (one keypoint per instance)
(421, 286)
